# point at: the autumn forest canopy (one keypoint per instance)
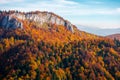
(50, 51)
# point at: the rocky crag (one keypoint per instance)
(14, 19)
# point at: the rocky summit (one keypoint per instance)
(15, 19)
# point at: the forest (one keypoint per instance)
(57, 54)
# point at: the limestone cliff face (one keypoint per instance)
(14, 19)
(10, 22)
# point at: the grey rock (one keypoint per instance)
(10, 21)
(4, 21)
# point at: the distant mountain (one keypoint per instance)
(114, 36)
(98, 31)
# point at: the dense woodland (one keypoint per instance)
(57, 54)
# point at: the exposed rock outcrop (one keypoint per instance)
(14, 19)
(10, 22)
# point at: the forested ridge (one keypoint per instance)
(56, 53)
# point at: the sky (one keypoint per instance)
(91, 13)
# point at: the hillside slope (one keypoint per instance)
(30, 52)
(114, 36)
